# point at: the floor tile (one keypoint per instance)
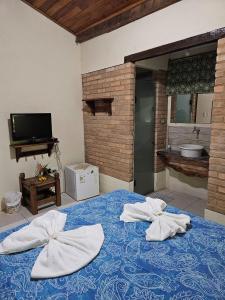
(178, 203)
(184, 201)
(7, 219)
(41, 212)
(9, 226)
(162, 195)
(179, 200)
(66, 199)
(197, 208)
(24, 214)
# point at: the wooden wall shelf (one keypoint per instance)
(189, 166)
(105, 105)
(24, 150)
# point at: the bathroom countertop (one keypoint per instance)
(187, 165)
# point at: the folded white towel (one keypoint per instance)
(163, 225)
(65, 251)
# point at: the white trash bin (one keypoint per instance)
(12, 202)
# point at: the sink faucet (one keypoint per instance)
(197, 131)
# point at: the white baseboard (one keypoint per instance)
(159, 181)
(109, 184)
(214, 216)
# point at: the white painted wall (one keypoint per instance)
(159, 181)
(40, 71)
(181, 20)
(109, 184)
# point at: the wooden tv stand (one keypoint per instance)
(36, 193)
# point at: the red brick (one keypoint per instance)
(109, 139)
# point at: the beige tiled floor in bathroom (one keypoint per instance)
(186, 202)
(180, 200)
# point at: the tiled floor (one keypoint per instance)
(23, 215)
(180, 200)
(184, 201)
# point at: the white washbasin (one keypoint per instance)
(191, 150)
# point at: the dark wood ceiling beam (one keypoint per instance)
(47, 4)
(64, 11)
(103, 10)
(57, 7)
(144, 9)
(68, 19)
(38, 3)
(70, 15)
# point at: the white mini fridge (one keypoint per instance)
(82, 181)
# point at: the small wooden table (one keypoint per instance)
(36, 193)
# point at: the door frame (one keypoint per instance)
(197, 40)
(143, 74)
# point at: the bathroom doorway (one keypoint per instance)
(144, 132)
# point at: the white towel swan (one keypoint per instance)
(163, 225)
(65, 251)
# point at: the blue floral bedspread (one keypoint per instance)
(190, 266)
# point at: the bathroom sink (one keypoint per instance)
(191, 150)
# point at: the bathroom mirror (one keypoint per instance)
(191, 108)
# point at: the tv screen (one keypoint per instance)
(32, 127)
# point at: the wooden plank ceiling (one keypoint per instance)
(89, 18)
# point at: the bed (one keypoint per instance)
(188, 267)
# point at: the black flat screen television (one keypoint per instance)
(33, 127)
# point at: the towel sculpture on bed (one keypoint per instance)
(163, 224)
(64, 251)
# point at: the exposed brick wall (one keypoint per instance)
(160, 117)
(216, 181)
(109, 139)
